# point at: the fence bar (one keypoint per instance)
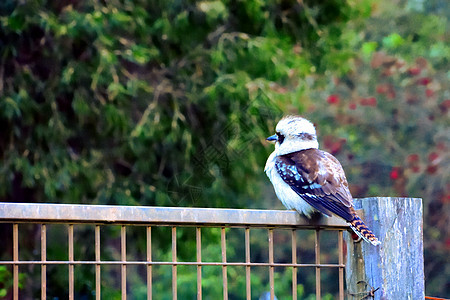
(198, 245)
(248, 284)
(97, 266)
(271, 279)
(161, 215)
(15, 259)
(341, 261)
(294, 261)
(174, 266)
(149, 267)
(71, 265)
(317, 248)
(171, 217)
(169, 263)
(223, 247)
(123, 257)
(43, 258)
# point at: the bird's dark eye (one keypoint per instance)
(280, 138)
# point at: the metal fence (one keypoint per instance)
(150, 218)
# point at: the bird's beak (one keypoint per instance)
(272, 138)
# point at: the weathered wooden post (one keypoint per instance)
(394, 269)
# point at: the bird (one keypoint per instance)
(310, 180)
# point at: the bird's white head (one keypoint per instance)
(294, 133)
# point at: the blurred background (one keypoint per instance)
(168, 103)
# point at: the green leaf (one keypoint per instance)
(393, 40)
(16, 22)
(440, 50)
(214, 10)
(10, 108)
(368, 48)
(142, 54)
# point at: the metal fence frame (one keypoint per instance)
(101, 215)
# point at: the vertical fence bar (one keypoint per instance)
(149, 267)
(123, 258)
(71, 260)
(174, 265)
(317, 250)
(294, 261)
(341, 262)
(97, 265)
(223, 247)
(43, 259)
(16, 259)
(271, 279)
(198, 244)
(248, 284)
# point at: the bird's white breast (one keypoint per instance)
(287, 196)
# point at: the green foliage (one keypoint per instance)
(168, 103)
(5, 280)
(393, 41)
(93, 89)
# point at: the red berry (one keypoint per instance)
(336, 148)
(372, 101)
(414, 71)
(352, 106)
(381, 88)
(412, 158)
(395, 173)
(333, 99)
(424, 81)
(433, 156)
(432, 169)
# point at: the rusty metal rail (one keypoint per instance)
(173, 217)
(63, 213)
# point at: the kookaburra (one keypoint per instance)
(307, 179)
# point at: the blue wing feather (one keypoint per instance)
(325, 191)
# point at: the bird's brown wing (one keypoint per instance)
(318, 178)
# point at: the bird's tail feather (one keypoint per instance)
(363, 231)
